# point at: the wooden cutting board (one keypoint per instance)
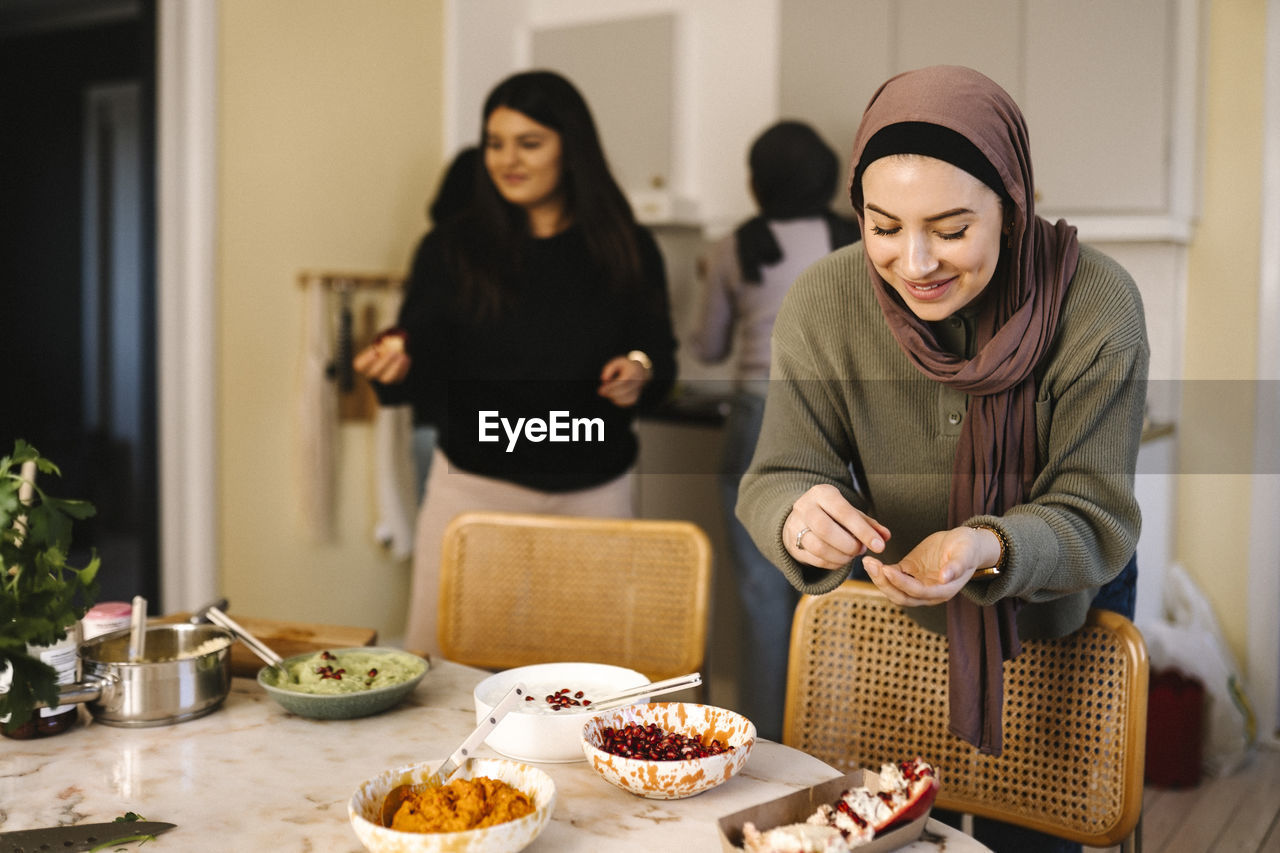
(287, 639)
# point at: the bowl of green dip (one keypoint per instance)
(339, 684)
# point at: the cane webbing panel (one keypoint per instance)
(518, 589)
(867, 685)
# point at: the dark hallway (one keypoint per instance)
(77, 271)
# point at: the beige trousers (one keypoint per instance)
(451, 491)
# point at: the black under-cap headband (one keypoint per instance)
(931, 140)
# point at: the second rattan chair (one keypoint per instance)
(866, 685)
(519, 589)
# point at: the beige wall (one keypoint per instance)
(1215, 427)
(329, 144)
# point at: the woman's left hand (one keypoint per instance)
(622, 380)
(934, 571)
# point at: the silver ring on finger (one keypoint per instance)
(800, 538)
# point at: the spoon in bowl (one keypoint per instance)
(138, 629)
(397, 795)
(259, 648)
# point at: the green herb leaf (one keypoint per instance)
(41, 595)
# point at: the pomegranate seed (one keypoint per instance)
(562, 699)
(651, 743)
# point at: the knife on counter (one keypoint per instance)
(81, 836)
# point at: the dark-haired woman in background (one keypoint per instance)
(536, 324)
(794, 175)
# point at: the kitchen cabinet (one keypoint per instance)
(1098, 96)
(1108, 90)
(636, 110)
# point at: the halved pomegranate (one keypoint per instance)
(907, 791)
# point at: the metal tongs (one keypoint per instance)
(657, 688)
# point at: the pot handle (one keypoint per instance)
(73, 694)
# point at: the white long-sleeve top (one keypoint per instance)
(734, 311)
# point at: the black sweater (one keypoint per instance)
(540, 360)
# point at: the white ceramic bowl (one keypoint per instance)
(534, 732)
(365, 809)
(671, 780)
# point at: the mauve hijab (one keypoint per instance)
(1018, 316)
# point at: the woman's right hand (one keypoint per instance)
(825, 530)
(384, 360)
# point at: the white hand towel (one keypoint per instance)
(394, 469)
(317, 419)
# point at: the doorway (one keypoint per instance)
(77, 275)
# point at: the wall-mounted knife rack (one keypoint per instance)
(356, 400)
(349, 280)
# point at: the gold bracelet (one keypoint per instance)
(992, 571)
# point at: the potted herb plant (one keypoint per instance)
(41, 596)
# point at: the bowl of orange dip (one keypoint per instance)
(491, 805)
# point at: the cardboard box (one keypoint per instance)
(796, 808)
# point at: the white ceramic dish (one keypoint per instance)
(671, 780)
(536, 733)
(365, 809)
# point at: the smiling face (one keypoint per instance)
(523, 159)
(932, 231)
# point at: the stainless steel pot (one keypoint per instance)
(175, 681)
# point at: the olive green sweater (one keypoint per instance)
(846, 407)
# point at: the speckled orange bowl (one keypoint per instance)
(365, 810)
(671, 780)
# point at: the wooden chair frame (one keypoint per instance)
(867, 685)
(521, 588)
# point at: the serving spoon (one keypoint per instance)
(397, 795)
(138, 629)
(259, 648)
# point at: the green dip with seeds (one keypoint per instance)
(350, 672)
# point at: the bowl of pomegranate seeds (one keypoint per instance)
(668, 750)
(547, 727)
(339, 684)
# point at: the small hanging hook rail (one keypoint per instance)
(349, 280)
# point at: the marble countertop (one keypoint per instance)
(251, 776)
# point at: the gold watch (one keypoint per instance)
(642, 359)
(992, 571)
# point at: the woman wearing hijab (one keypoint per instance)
(794, 175)
(956, 403)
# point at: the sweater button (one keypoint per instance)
(954, 418)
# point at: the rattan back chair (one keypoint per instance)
(866, 685)
(519, 589)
